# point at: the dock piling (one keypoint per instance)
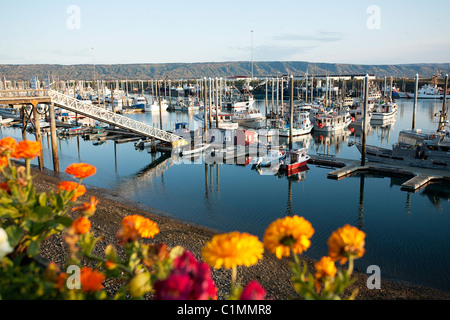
(53, 136)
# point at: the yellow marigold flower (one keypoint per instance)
(81, 225)
(136, 226)
(71, 186)
(7, 145)
(325, 268)
(232, 249)
(286, 234)
(87, 208)
(81, 170)
(345, 242)
(27, 149)
(91, 280)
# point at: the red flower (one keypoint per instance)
(188, 280)
(253, 291)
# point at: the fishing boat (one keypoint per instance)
(332, 121)
(155, 106)
(302, 125)
(139, 102)
(244, 101)
(427, 91)
(249, 117)
(225, 120)
(417, 148)
(273, 158)
(357, 115)
(430, 151)
(295, 159)
(384, 111)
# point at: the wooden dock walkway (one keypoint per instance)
(419, 177)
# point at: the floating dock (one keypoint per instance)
(419, 177)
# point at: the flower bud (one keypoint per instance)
(140, 284)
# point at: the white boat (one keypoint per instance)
(348, 101)
(249, 117)
(427, 91)
(332, 121)
(384, 111)
(247, 101)
(155, 106)
(189, 104)
(196, 149)
(357, 115)
(302, 125)
(225, 120)
(273, 158)
(5, 121)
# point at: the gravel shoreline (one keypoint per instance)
(271, 273)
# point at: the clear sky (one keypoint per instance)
(164, 31)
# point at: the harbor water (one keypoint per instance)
(407, 233)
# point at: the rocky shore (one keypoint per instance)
(271, 273)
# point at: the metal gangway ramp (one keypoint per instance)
(86, 109)
(27, 96)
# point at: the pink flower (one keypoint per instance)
(188, 280)
(175, 287)
(253, 291)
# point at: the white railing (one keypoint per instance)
(103, 115)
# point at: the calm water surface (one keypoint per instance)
(407, 233)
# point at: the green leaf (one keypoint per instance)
(43, 213)
(43, 199)
(65, 221)
(14, 234)
(33, 248)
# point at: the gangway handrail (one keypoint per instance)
(100, 114)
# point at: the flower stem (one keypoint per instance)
(27, 164)
(350, 266)
(233, 278)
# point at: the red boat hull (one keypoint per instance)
(294, 168)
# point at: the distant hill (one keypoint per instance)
(213, 69)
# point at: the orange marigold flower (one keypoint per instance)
(136, 226)
(91, 280)
(232, 249)
(325, 268)
(69, 186)
(61, 281)
(27, 149)
(81, 225)
(81, 170)
(87, 208)
(3, 162)
(286, 234)
(7, 145)
(345, 242)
